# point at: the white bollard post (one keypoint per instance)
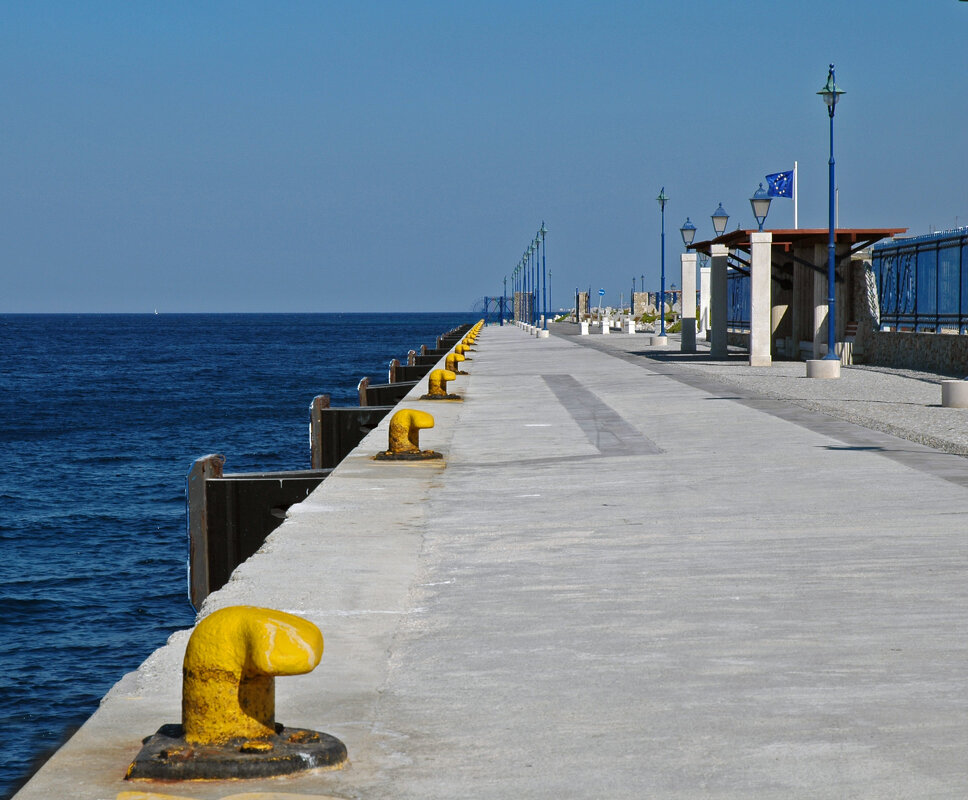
(954, 393)
(605, 325)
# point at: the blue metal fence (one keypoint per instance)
(738, 299)
(922, 282)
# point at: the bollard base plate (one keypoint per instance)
(167, 756)
(423, 455)
(441, 397)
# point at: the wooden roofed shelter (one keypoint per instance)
(797, 307)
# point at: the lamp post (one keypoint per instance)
(687, 306)
(688, 231)
(720, 218)
(504, 299)
(760, 202)
(526, 262)
(534, 282)
(718, 288)
(537, 279)
(544, 276)
(831, 94)
(662, 200)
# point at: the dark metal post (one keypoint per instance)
(831, 94)
(662, 204)
(544, 276)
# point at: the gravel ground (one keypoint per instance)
(901, 402)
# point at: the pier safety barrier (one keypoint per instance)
(383, 394)
(231, 514)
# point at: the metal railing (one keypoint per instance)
(922, 282)
(738, 301)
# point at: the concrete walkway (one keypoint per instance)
(621, 583)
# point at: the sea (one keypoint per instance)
(101, 418)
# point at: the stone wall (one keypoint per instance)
(931, 352)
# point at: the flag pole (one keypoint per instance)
(795, 220)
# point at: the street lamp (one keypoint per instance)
(524, 288)
(720, 218)
(688, 231)
(544, 276)
(831, 94)
(662, 200)
(537, 277)
(760, 201)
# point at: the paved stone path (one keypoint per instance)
(628, 579)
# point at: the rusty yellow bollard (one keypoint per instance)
(463, 349)
(451, 362)
(437, 383)
(232, 659)
(228, 725)
(404, 444)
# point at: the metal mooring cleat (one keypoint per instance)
(437, 382)
(405, 426)
(228, 725)
(451, 362)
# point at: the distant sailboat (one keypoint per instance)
(156, 312)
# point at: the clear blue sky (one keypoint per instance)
(317, 156)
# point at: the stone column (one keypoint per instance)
(704, 301)
(761, 299)
(820, 302)
(688, 261)
(718, 301)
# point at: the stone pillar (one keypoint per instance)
(704, 302)
(640, 303)
(718, 301)
(688, 305)
(820, 302)
(761, 299)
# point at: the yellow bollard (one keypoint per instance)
(229, 727)
(463, 350)
(437, 382)
(451, 362)
(404, 444)
(230, 666)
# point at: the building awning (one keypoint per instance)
(797, 238)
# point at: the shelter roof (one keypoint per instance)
(795, 238)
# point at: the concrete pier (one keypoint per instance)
(624, 580)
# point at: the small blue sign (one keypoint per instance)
(601, 292)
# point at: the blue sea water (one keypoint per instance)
(101, 417)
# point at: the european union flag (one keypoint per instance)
(781, 184)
